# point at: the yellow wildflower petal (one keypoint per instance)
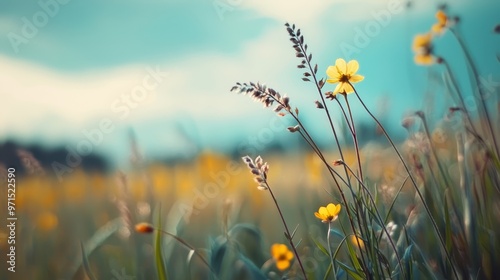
(332, 209)
(358, 242)
(282, 265)
(275, 250)
(338, 88)
(441, 17)
(421, 41)
(341, 66)
(329, 213)
(339, 207)
(424, 59)
(281, 256)
(284, 249)
(348, 88)
(437, 28)
(352, 67)
(333, 74)
(344, 75)
(323, 211)
(289, 255)
(356, 78)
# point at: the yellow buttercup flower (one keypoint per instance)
(329, 213)
(282, 256)
(357, 241)
(343, 73)
(422, 46)
(442, 23)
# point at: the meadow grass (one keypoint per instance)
(426, 208)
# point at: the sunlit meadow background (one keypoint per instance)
(115, 112)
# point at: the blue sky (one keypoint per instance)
(83, 59)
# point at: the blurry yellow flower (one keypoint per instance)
(329, 213)
(47, 221)
(442, 23)
(343, 73)
(422, 46)
(282, 256)
(357, 241)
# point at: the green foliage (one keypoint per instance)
(159, 260)
(440, 220)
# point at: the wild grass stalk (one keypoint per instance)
(456, 237)
(260, 169)
(417, 190)
(477, 89)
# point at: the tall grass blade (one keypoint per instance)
(101, 235)
(86, 265)
(160, 263)
(351, 271)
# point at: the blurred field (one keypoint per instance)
(55, 216)
(426, 207)
(200, 200)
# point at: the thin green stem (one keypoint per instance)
(475, 76)
(344, 114)
(379, 217)
(350, 124)
(333, 173)
(417, 190)
(288, 234)
(459, 94)
(330, 169)
(318, 88)
(354, 138)
(330, 251)
(187, 245)
(433, 150)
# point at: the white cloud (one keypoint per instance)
(311, 11)
(293, 11)
(42, 102)
(304, 12)
(33, 95)
(201, 83)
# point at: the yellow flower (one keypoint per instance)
(47, 221)
(442, 23)
(343, 73)
(357, 241)
(282, 256)
(329, 213)
(422, 46)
